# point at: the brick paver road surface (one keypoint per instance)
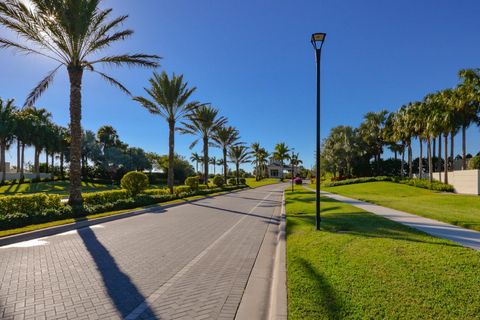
(186, 262)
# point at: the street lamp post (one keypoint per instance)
(317, 42)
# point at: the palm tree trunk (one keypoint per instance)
(452, 150)
(196, 166)
(464, 147)
(420, 159)
(225, 169)
(52, 162)
(171, 154)
(3, 166)
(75, 74)
(439, 158)
(410, 162)
(445, 165)
(46, 161)
(18, 155)
(430, 164)
(402, 165)
(37, 163)
(434, 151)
(237, 166)
(22, 164)
(205, 159)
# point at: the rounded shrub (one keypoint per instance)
(134, 182)
(232, 181)
(192, 182)
(218, 181)
(474, 163)
(243, 181)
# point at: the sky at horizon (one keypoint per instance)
(253, 60)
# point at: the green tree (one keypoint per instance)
(238, 155)
(204, 121)
(195, 157)
(281, 154)
(72, 33)
(169, 100)
(223, 138)
(8, 123)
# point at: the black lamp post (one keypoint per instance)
(317, 42)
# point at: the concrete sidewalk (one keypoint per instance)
(464, 237)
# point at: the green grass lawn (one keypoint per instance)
(361, 266)
(253, 184)
(460, 210)
(57, 187)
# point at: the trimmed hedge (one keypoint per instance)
(134, 182)
(95, 198)
(419, 183)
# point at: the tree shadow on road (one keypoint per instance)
(121, 290)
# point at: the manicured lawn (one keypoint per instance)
(361, 266)
(253, 184)
(460, 210)
(58, 187)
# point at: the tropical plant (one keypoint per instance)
(238, 155)
(169, 100)
(203, 122)
(223, 138)
(134, 182)
(195, 157)
(281, 154)
(8, 123)
(72, 33)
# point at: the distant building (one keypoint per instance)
(274, 169)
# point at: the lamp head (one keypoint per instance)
(318, 39)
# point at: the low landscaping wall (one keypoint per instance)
(464, 181)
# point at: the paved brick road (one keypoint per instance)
(187, 262)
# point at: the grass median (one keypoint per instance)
(456, 209)
(361, 266)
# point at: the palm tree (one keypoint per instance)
(371, 131)
(204, 121)
(213, 162)
(195, 158)
(8, 123)
(170, 96)
(223, 138)
(239, 154)
(72, 33)
(281, 154)
(256, 151)
(295, 162)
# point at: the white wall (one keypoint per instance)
(28, 175)
(464, 181)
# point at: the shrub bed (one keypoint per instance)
(419, 183)
(22, 210)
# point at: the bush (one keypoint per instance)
(218, 181)
(134, 182)
(156, 192)
(358, 180)
(243, 181)
(474, 163)
(192, 182)
(96, 198)
(202, 187)
(298, 180)
(425, 184)
(182, 190)
(31, 205)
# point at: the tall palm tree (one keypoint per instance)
(371, 130)
(295, 162)
(213, 162)
(256, 151)
(239, 154)
(71, 33)
(203, 122)
(196, 158)
(223, 138)
(281, 154)
(8, 123)
(170, 101)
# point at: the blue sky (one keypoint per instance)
(253, 60)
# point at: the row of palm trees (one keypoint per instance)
(434, 121)
(437, 117)
(30, 126)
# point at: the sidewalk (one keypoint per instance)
(465, 237)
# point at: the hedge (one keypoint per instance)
(22, 210)
(419, 183)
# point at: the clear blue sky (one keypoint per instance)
(253, 60)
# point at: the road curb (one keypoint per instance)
(51, 231)
(265, 295)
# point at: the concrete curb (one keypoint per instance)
(265, 296)
(51, 231)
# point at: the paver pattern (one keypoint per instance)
(186, 262)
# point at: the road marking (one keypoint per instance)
(26, 244)
(157, 294)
